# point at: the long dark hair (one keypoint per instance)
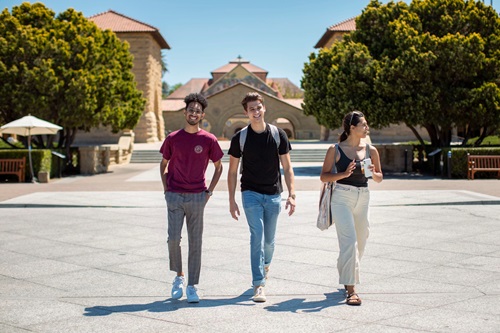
(352, 118)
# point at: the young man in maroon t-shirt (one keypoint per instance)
(186, 154)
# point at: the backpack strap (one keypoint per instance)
(243, 137)
(274, 132)
(367, 153)
(276, 135)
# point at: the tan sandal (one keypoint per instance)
(353, 299)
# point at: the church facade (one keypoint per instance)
(224, 91)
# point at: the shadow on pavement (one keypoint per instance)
(299, 304)
(168, 305)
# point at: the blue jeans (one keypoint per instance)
(261, 211)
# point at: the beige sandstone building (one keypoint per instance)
(146, 44)
(224, 92)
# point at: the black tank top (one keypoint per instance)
(357, 178)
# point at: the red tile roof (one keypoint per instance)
(347, 25)
(172, 104)
(239, 61)
(175, 101)
(117, 22)
(286, 87)
(344, 26)
(193, 86)
(296, 102)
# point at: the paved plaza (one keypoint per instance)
(89, 254)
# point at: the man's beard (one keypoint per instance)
(193, 122)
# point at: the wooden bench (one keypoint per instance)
(477, 163)
(13, 166)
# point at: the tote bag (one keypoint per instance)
(325, 219)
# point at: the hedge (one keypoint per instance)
(41, 158)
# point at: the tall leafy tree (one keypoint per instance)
(432, 63)
(66, 70)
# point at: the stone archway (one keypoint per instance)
(286, 126)
(233, 125)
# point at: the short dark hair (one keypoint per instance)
(196, 97)
(250, 97)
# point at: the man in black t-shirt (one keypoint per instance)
(264, 147)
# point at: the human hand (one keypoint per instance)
(350, 169)
(234, 210)
(290, 202)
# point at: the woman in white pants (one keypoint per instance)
(355, 162)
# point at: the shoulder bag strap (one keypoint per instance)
(367, 154)
(334, 167)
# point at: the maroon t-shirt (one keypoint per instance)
(188, 155)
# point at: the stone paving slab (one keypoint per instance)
(94, 261)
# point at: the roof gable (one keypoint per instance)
(117, 22)
(236, 75)
(296, 103)
(242, 62)
(342, 27)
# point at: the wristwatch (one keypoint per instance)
(292, 196)
(209, 193)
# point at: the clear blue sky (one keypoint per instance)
(203, 35)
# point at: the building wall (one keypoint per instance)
(147, 71)
(336, 37)
(224, 106)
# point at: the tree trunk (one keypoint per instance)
(433, 134)
(445, 136)
(484, 134)
(417, 135)
(467, 135)
(7, 142)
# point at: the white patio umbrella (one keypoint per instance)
(28, 126)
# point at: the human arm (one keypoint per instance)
(215, 177)
(376, 166)
(163, 174)
(326, 172)
(232, 175)
(290, 182)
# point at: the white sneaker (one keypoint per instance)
(178, 287)
(258, 294)
(192, 295)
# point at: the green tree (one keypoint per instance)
(166, 89)
(65, 70)
(433, 63)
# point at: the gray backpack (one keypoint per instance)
(243, 137)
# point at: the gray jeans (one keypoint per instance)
(191, 206)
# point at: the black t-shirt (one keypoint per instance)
(261, 164)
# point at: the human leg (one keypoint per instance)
(361, 221)
(176, 215)
(195, 207)
(343, 203)
(272, 208)
(254, 212)
(175, 221)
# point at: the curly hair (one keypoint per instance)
(196, 97)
